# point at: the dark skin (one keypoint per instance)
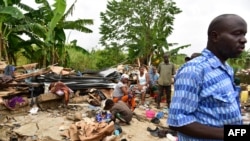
(124, 88)
(165, 57)
(226, 39)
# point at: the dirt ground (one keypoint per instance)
(49, 124)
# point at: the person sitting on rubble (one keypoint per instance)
(119, 111)
(142, 84)
(122, 92)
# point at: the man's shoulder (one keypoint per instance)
(195, 66)
(121, 103)
(120, 84)
(163, 63)
(172, 64)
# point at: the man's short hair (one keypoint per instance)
(108, 103)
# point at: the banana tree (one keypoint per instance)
(9, 15)
(50, 28)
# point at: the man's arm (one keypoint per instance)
(173, 70)
(147, 79)
(198, 130)
(159, 68)
(124, 90)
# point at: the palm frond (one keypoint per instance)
(25, 7)
(78, 25)
(33, 28)
(69, 11)
(45, 3)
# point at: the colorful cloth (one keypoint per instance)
(15, 100)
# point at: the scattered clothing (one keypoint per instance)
(89, 131)
(9, 70)
(15, 102)
(60, 89)
(103, 117)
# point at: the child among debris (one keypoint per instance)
(119, 111)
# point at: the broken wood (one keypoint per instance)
(97, 100)
(20, 85)
(71, 104)
(32, 74)
(11, 93)
(27, 66)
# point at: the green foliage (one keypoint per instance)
(108, 57)
(9, 16)
(139, 26)
(80, 60)
(58, 12)
(242, 62)
(178, 59)
(12, 11)
(95, 60)
(45, 27)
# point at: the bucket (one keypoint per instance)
(244, 96)
(248, 87)
(150, 113)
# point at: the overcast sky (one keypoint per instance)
(190, 26)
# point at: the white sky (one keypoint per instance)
(190, 26)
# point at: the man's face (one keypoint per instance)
(125, 80)
(154, 70)
(231, 40)
(165, 57)
(141, 69)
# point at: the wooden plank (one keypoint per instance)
(14, 85)
(27, 66)
(11, 93)
(24, 76)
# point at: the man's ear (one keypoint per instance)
(214, 36)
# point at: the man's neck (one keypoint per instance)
(166, 63)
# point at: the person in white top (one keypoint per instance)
(143, 83)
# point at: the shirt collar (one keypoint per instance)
(215, 61)
(212, 59)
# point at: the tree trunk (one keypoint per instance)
(5, 51)
(138, 62)
(1, 46)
